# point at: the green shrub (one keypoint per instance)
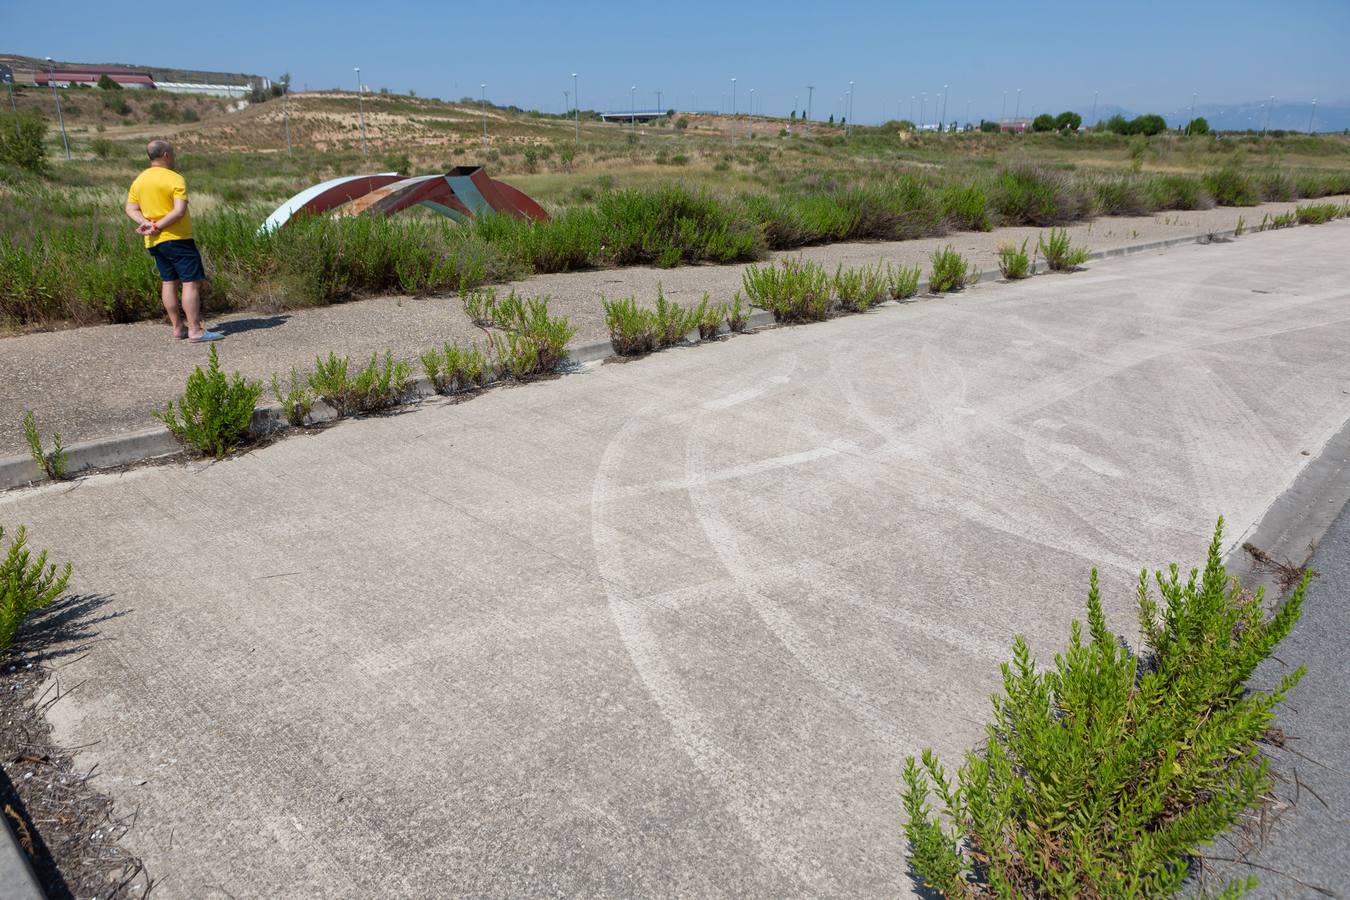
(966, 207)
(795, 290)
(670, 225)
(1229, 187)
(1068, 121)
(1197, 126)
(533, 336)
(480, 305)
(455, 368)
(295, 399)
(106, 83)
(1120, 197)
(22, 144)
(102, 148)
(1059, 252)
(377, 386)
(1177, 192)
(26, 585)
(709, 317)
(214, 413)
(1277, 186)
(1013, 262)
(53, 464)
(632, 329)
(673, 321)
(858, 290)
(738, 315)
(1043, 122)
(951, 271)
(1027, 195)
(1148, 124)
(902, 282)
(1105, 775)
(1316, 213)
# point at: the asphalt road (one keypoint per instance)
(670, 628)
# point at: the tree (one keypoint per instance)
(1068, 121)
(1198, 125)
(831, 118)
(1148, 124)
(1043, 122)
(107, 83)
(1117, 124)
(988, 127)
(21, 142)
(792, 116)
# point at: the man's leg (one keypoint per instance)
(168, 295)
(192, 307)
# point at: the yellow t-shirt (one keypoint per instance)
(155, 190)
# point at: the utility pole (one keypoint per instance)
(9, 83)
(482, 105)
(576, 107)
(361, 110)
(51, 79)
(1311, 115)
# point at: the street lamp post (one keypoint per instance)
(810, 91)
(1269, 104)
(1311, 115)
(51, 80)
(733, 109)
(1092, 123)
(923, 110)
(361, 110)
(1003, 116)
(1017, 110)
(942, 123)
(482, 105)
(751, 129)
(632, 106)
(658, 100)
(1192, 119)
(576, 107)
(849, 130)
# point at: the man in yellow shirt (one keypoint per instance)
(158, 204)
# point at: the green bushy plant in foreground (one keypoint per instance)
(1316, 213)
(709, 317)
(902, 281)
(1102, 776)
(673, 321)
(54, 463)
(214, 413)
(632, 329)
(379, 385)
(1013, 262)
(951, 271)
(795, 290)
(455, 368)
(738, 315)
(296, 399)
(26, 585)
(1230, 187)
(858, 290)
(535, 342)
(1059, 252)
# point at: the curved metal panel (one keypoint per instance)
(322, 197)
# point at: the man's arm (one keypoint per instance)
(135, 214)
(179, 210)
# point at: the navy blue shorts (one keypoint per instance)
(178, 260)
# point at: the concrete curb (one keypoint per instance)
(16, 874)
(150, 443)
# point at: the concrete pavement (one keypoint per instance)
(670, 627)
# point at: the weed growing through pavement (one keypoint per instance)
(1132, 759)
(26, 585)
(1241, 226)
(738, 315)
(214, 413)
(858, 290)
(379, 385)
(536, 342)
(709, 317)
(951, 271)
(54, 463)
(1059, 252)
(1013, 262)
(795, 290)
(1316, 213)
(479, 305)
(673, 321)
(295, 398)
(455, 368)
(903, 281)
(632, 329)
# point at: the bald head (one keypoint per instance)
(159, 151)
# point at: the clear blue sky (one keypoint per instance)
(1144, 56)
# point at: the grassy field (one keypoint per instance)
(684, 190)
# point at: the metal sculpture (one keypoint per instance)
(465, 192)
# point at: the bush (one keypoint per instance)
(632, 330)
(215, 412)
(1177, 192)
(673, 321)
(1198, 125)
(102, 147)
(1043, 122)
(455, 368)
(535, 343)
(53, 464)
(117, 104)
(26, 585)
(902, 282)
(965, 206)
(1027, 195)
(858, 290)
(709, 317)
(1316, 213)
(21, 142)
(1013, 262)
(951, 271)
(1229, 187)
(1277, 186)
(377, 386)
(1104, 776)
(398, 162)
(1148, 125)
(795, 290)
(1060, 254)
(671, 225)
(1068, 121)
(107, 84)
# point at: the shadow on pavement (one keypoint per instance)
(239, 326)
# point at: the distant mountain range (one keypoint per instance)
(1241, 116)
